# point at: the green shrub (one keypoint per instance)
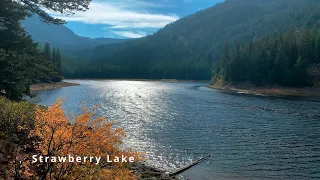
(16, 117)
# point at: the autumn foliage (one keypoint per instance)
(81, 135)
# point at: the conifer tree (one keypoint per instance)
(22, 64)
(47, 51)
(58, 61)
(53, 57)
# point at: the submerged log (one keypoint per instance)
(179, 171)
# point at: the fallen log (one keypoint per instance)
(179, 171)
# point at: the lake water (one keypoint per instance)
(176, 123)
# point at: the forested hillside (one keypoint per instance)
(190, 47)
(277, 59)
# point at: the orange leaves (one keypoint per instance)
(86, 136)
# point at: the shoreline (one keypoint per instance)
(144, 171)
(46, 86)
(151, 80)
(306, 93)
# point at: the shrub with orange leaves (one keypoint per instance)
(81, 135)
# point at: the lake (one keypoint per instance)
(176, 123)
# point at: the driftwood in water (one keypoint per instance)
(188, 166)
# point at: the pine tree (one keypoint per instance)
(317, 48)
(306, 46)
(58, 61)
(53, 57)
(47, 52)
(21, 63)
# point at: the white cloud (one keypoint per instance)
(130, 34)
(132, 4)
(120, 15)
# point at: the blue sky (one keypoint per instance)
(130, 18)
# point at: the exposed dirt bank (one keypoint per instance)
(46, 86)
(309, 93)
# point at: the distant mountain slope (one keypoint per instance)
(189, 48)
(62, 37)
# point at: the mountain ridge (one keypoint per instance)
(62, 37)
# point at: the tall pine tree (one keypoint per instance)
(53, 56)
(47, 51)
(58, 61)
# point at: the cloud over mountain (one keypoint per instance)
(125, 15)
